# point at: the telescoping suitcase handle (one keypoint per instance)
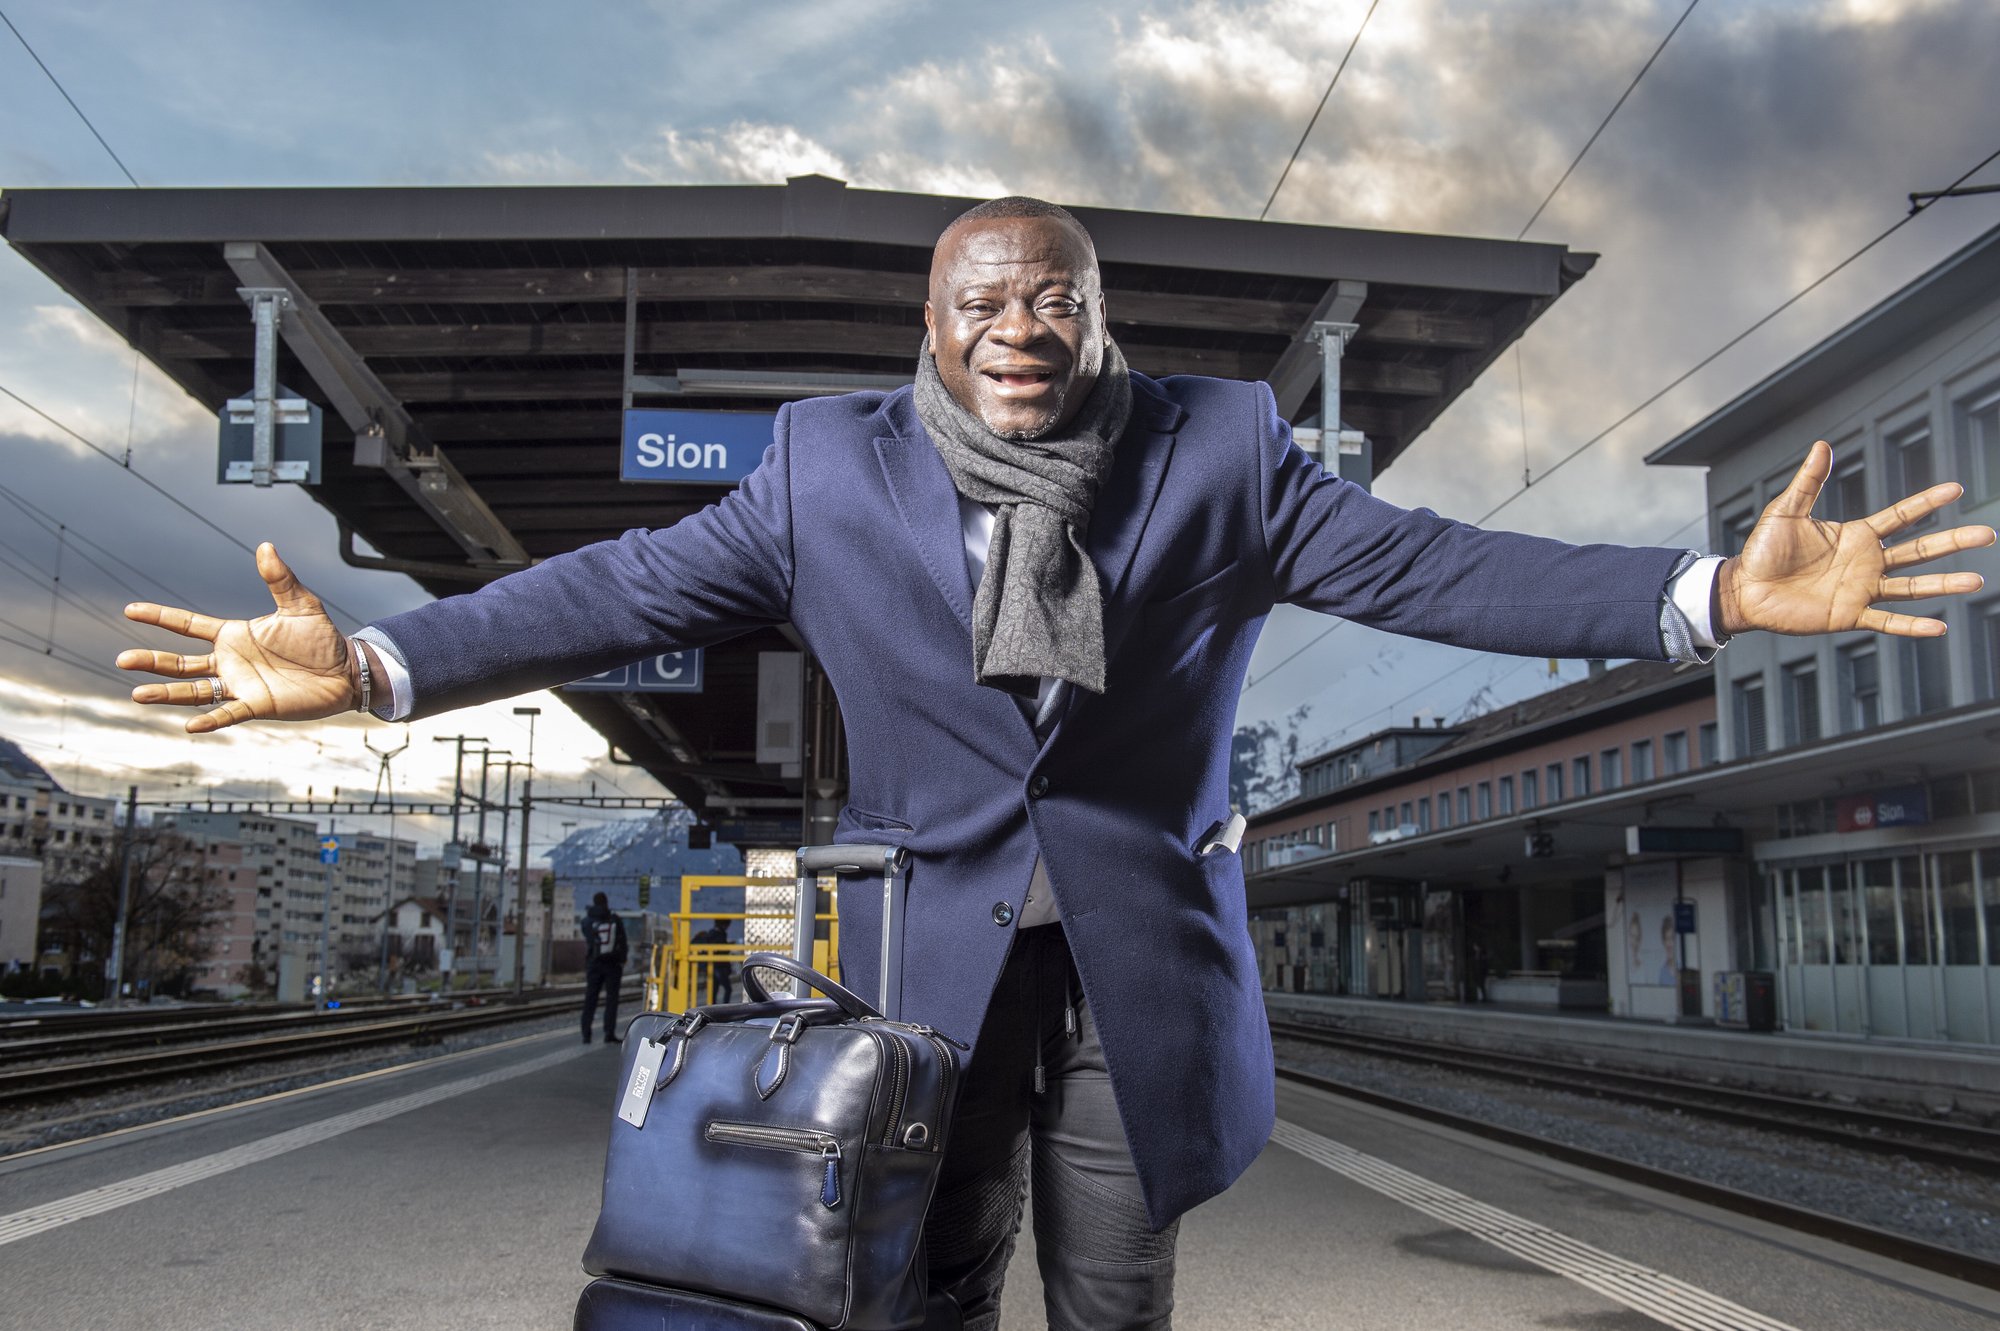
(891, 862)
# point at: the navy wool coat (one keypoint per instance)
(850, 530)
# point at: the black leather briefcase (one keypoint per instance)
(778, 1154)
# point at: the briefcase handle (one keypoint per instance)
(853, 1004)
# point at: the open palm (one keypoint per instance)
(1800, 574)
(289, 665)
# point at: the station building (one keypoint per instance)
(1879, 872)
(1468, 861)
(1833, 823)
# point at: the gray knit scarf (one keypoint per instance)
(1039, 611)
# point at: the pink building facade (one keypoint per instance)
(1486, 860)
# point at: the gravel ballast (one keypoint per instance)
(1935, 1203)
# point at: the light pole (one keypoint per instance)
(549, 911)
(500, 888)
(521, 866)
(117, 976)
(329, 856)
(451, 898)
(486, 764)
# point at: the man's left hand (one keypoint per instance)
(1798, 574)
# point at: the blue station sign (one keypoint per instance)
(694, 447)
(671, 672)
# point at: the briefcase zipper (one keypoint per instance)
(899, 1084)
(803, 1141)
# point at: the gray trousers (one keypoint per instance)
(1102, 1266)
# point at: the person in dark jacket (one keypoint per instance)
(604, 946)
(721, 974)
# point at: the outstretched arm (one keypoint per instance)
(1798, 574)
(289, 665)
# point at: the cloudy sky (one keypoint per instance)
(1768, 142)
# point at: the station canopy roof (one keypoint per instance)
(486, 331)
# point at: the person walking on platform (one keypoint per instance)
(1035, 579)
(604, 965)
(720, 973)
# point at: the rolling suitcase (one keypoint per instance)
(772, 1160)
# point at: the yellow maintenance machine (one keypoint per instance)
(682, 973)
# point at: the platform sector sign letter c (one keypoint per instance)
(669, 672)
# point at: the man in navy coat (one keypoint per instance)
(1035, 582)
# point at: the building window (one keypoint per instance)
(1579, 777)
(1845, 498)
(1978, 421)
(1860, 688)
(1986, 649)
(1464, 804)
(1506, 795)
(1802, 702)
(1444, 808)
(1555, 774)
(1752, 736)
(1736, 530)
(1642, 761)
(1485, 799)
(1530, 797)
(1911, 469)
(1424, 814)
(1611, 767)
(1407, 817)
(1926, 673)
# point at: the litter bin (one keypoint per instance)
(1760, 1000)
(1690, 987)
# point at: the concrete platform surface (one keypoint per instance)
(458, 1195)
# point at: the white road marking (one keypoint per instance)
(81, 1206)
(1659, 1296)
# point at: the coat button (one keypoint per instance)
(1003, 914)
(1038, 787)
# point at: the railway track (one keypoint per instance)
(1868, 1238)
(59, 1038)
(93, 1072)
(1963, 1146)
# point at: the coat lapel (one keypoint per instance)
(928, 505)
(1126, 501)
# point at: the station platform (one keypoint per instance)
(1915, 1076)
(457, 1194)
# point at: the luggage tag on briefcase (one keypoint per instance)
(639, 1088)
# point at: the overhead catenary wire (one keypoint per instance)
(1669, 387)
(71, 100)
(1601, 125)
(1520, 377)
(160, 490)
(41, 518)
(1324, 98)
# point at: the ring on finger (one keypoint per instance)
(214, 686)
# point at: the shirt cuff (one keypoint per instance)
(1687, 628)
(395, 675)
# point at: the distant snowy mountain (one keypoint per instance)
(609, 858)
(17, 765)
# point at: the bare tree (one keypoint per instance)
(172, 917)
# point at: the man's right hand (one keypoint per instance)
(290, 665)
